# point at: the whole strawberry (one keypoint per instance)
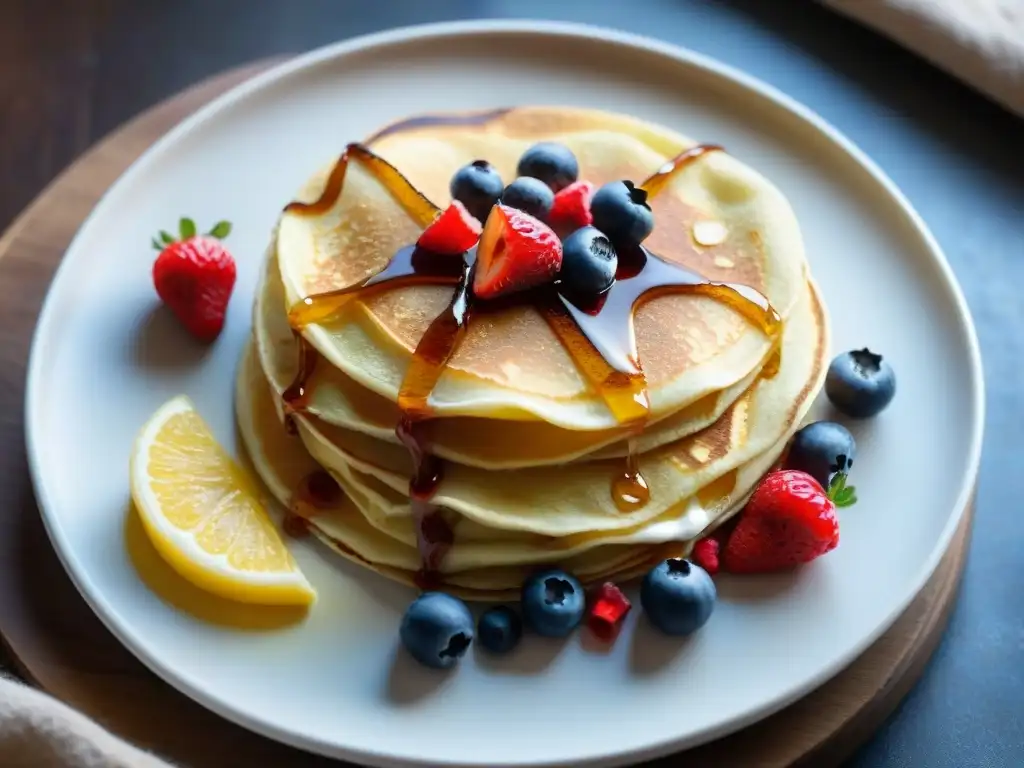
(789, 520)
(194, 276)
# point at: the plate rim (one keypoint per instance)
(405, 35)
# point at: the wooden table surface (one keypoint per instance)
(72, 70)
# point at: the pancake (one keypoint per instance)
(339, 400)
(280, 461)
(566, 499)
(522, 447)
(510, 365)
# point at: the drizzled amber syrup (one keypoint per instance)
(598, 336)
(296, 395)
(429, 121)
(317, 491)
(630, 490)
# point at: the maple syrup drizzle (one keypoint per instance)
(316, 492)
(599, 336)
(630, 490)
(411, 199)
(434, 121)
(434, 537)
(296, 395)
(658, 180)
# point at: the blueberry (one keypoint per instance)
(437, 629)
(478, 187)
(499, 629)
(678, 596)
(553, 603)
(821, 449)
(589, 262)
(860, 383)
(552, 163)
(529, 195)
(620, 210)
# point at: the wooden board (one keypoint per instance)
(60, 645)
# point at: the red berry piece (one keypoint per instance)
(453, 232)
(789, 520)
(516, 252)
(194, 276)
(705, 554)
(608, 607)
(571, 209)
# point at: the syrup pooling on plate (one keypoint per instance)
(598, 336)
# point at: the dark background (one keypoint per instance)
(72, 70)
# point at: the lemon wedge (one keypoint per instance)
(204, 515)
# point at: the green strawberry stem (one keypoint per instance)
(841, 494)
(186, 229)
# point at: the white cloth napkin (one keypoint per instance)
(979, 41)
(37, 731)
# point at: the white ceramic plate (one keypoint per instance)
(105, 358)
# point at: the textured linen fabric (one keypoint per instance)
(37, 731)
(979, 41)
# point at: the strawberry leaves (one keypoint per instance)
(220, 230)
(187, 229)
(841, 494)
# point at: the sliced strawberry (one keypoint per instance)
(789, 520)
(516, 252)
(454, 231)
(571, 209)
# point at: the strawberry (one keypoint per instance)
(606, 609)
(194, 277)
(516, 252)
(453, 232)
(789, 520)
(705, 554)
(571, 209)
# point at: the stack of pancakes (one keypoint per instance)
(529, 448)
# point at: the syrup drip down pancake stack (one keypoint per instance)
(449, 440)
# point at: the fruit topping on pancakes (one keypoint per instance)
(620, 210)
(589, 263)
(529, 195)
(477, 186)
(516, 252)
(550, 162)
(453, 232)
(571, 207)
